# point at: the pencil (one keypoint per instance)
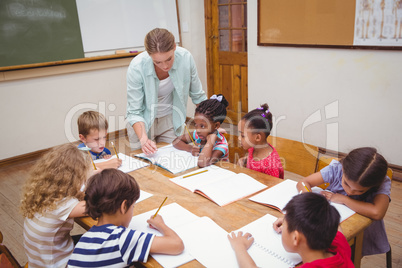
(305, 187)
(190, 135)
(90, 156)
(202, 171)
(114, 148)
(159, 207)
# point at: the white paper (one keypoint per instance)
(172, 159)
(143, 195)
(128, 163)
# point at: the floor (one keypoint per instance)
(12, 178)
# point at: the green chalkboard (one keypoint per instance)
(36, 31)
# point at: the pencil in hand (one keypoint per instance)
(189, 134)
(159, 208)
(114, 148)
(305, 187)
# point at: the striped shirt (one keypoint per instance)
(47, 239)
(221, 144)
(111, 246)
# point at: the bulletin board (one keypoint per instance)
(326, 23)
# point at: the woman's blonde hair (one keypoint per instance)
(159, 41)
(60, 173)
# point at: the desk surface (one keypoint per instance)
(231, 217)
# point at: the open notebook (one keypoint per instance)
(171, 159)
(174, 216)
(211, 247)
(280, 194)
(219, 185)
(128, 163)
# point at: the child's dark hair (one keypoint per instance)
(214, 108)
(107, 190)
(313, 216)
(365, 166)
(259, 119)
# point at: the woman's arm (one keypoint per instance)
(208, 155)
(312, 180)
(147, 145)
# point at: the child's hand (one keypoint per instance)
(242, 162)
(240, 240)
(278, 225)
(156, 223)
(213, 137)
(336, 198)
(108, 156)
(195, 150)
(112, 163)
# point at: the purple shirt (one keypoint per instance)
(375, 238)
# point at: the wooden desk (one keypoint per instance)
(231, 217)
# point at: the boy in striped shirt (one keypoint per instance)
(110, 198)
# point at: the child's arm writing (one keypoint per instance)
(184, 143)
(374, 211)
(312, 180)
(78, 210)
(112, 163)
(208, 155)
(169, 243)
(240, 243)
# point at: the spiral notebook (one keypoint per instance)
(267, 249)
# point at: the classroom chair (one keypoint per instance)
(7, 259)
(388, 255)
(296, 157)
(323, 160)
(235, 149)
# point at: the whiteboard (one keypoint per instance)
(120, 24)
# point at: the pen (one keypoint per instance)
(114, 148)
(202, 171)
(305, 187)
(190, 135)
(159, 207)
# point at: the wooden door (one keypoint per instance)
(226, 42)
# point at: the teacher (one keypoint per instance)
(159, 82)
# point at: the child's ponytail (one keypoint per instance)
(260, 118)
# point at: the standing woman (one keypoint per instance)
(159, 82)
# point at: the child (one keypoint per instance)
(254, 129)
(92, 128)
(359, 181)
(110, 198)
(209, 145)
(310, 228)
(50, 202)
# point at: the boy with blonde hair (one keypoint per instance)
(92, 129)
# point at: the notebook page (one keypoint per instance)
(278, 195)
(267, 250)
(208, 243)
(194, 182)
(128, 163)
(172, 159)
(231, 188)
(173, 215)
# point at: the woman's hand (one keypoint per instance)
(148, 146)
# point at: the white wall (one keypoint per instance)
(33, 111)
(361, 90)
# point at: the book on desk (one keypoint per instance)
(219, 185)
(171, 159)
(208, 243)
(280, 194)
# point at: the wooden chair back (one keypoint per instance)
(7, 260)
(235, 149)
(296, 157)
